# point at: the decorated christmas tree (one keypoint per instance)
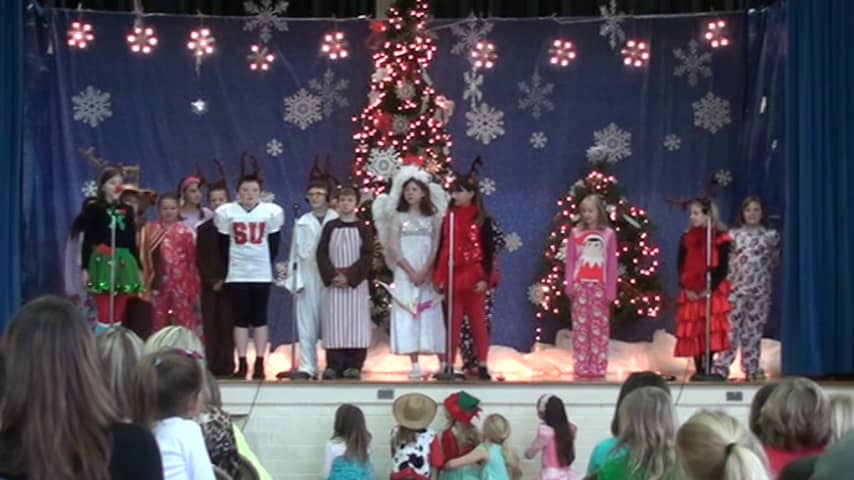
(639, 293)
(405, 118)
(404, 121)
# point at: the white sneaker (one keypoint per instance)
(415, 374)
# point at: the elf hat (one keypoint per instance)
(462, 407)
(414, 411)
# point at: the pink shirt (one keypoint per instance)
(778, 459)
(591, 256)
(545, 443)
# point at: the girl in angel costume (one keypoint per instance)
(409, 222)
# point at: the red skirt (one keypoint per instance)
(691, 323)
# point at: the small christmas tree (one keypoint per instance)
(639, 292)
(404, 121)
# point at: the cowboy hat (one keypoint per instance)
(414, 411)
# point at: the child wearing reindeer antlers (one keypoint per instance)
(216, 302)
(306, 284)
(249, 232)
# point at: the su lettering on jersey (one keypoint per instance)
(249, 232)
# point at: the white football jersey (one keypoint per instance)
(249, 251)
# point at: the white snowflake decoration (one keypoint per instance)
(612, 26)
(693, 63)
(405, 90)
(275, 148)
(672, 142)
(303, 109)
(89, 188)
(487, 186)
(267, 197)
(380, 75)
(512, 242)
(536, 95)
(538, 140)
(484, 123)
(561, 251)
(383, 162)
(711, 112)
(200, 107)
(265, 16)
(331, 91)
(468, 33)
(596, 154)
(537, 293)
(91, 106)
(400, 124)
(613, 144)
(472, 92)
(723, 177)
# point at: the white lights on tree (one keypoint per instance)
(636, 53)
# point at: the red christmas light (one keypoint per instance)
(484, 54)
(142, 39)
(635, 53)
(80, 35)
(561, 53)
(260, 58)
(335, 46)
(717, 34)
(201, 42)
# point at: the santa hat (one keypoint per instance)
(462, 407)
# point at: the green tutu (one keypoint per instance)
(127, 271)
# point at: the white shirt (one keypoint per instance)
(182, 450)
(249, 252)
(334, 449)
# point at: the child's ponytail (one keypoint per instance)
(742, 463)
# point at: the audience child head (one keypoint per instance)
(169, 385)
(796, 416)
(647, 431)
(461, 408)
(120, 350)
(496, 431)
(351, 429)
(554, 415)
(635, 381)
(182, 338)
(759, 399)
(413, 412)
(715, 446)
(56, 416)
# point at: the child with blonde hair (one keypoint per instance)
(499, 460)
(461, 436)
(120, 350)
(591, 283)
(715, 445)
(647, 431)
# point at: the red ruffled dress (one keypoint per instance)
(691, 315)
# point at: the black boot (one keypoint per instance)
(258, 371)
(483, 373)
(242, 368)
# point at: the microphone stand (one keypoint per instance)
(113, 268)
(448, 373)
(706, 375)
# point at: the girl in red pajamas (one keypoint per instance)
(475, 266)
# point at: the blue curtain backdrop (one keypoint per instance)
(11, 128)
(818, 326)
(693, 113)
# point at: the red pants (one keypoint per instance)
(472, 305)
(102, 303)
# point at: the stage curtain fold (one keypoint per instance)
(818, 310)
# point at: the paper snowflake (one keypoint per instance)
(723, 177)
(537, 293)
(332, 92)
(405, 90)
(512, 241)
(383, 162)
(596, 154)
(473, 81)
(303, 109)
(91, 106)
(484, 123)
(612, 142)
(400, 124)
(199, 107)
(380, 75)
(693, 64)
(536, 95)
(672, 142)
(89, 188)
(711, 112)
(468, 33)
(538, 140)
(275, 148)
(487, 186)
(265, 16)
(612, 26)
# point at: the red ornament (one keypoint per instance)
(413, 159)
(383, 122)
(376, 38)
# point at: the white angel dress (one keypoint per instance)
(417, 318)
